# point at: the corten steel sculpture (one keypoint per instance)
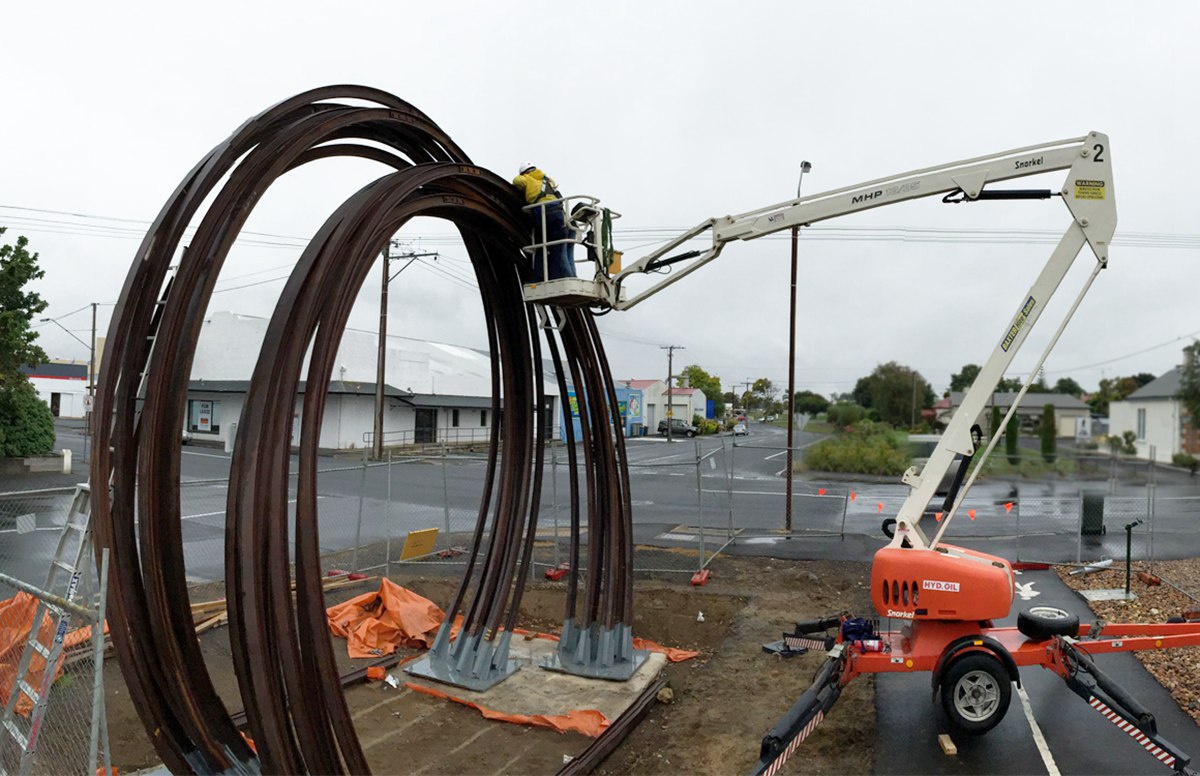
(281, 647)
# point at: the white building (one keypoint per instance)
(685, 402)
(1156, 417)
(433, 391)
(63, 385)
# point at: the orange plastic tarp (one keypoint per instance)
(673, 654)
(589, 722)
(16, 620)
(374, 624)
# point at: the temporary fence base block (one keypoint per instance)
(596, 653)
(1117, 594)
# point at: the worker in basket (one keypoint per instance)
(537, 187)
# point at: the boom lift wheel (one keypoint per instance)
(976, 692)
(1040, 623)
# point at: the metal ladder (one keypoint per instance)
(57, 600)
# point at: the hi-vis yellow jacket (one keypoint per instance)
(536, 186)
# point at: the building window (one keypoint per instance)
(1141, 424)
(454, 418)
(204, 416)
(483, 417)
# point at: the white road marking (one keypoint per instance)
(1026, 590)
(222, 511)
(1038, 738)
(206, 455)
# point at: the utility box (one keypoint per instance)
(1092, 521)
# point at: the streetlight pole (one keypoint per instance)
(791, 403)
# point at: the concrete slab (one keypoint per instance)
(532, 690)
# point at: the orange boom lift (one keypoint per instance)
(947, 597)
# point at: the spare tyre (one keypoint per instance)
(1040, 623)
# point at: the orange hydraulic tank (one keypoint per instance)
(949, 583)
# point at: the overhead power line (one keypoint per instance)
(91, 225)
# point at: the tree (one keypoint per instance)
(1009, 385)
(1068, 386)
(1117, 389)
(1049, 434)
(994, 428)
(26, 425)
(844, 414)
(709, 384)
(963, 379)
(1010, 441)
(1189, 383)
(17, 308)
(810, 403)
(896, 393)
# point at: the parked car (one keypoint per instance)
(741, 430)
(679, 427)
(187, 437)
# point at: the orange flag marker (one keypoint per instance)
(880, 508)
(938, 516)
(853, 495)
(820, 491)
(1008, 506)
(971, 513)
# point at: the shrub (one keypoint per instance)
(1049, 434)
(26, 425)
(866, 448)
(1010, 441)
(1185, 460)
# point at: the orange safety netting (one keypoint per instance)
(589, 722)
(16, 623)
(374, 624)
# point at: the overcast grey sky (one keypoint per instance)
(671, 113)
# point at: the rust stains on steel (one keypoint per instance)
(281, 648)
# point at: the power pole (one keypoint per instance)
(670, 373)
(381, 361)
(791, 401)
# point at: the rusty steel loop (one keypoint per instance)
(282, 652)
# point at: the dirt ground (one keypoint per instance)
(723, 701)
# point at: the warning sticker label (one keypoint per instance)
(1018, 324)
(1089, 189)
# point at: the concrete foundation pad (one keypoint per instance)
(1117, 594)
(533, 690)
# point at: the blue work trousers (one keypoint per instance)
(561, 259)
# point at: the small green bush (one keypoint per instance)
(26, 425)
(1185, 460)
(867, 448)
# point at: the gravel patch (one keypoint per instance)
(1178, 670)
